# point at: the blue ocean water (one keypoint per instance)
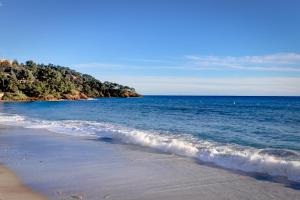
(259, 134)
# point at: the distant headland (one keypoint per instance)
(30, 81)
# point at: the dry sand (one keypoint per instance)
(11, 187)
(66, 167)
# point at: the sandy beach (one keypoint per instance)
(11, 187)
(150, 100)
(66, 167)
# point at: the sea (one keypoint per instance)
(248, 134)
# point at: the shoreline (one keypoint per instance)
(246, 160)
(65, 167)
(59, 100)
(11, 188)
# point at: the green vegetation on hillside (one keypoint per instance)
(31, 81)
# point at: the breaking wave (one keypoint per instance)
(274, 162)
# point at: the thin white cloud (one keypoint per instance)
(289, 62)
(118, 66)
(279, 62)
(277, 86)
(282, 58)
(274, 69)
(149, 61)
(175, 82)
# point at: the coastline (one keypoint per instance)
(66, 167)
(59, 100)
(11, 187)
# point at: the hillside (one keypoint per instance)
(31, 81)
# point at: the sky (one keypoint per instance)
(163, 47)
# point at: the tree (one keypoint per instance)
(5, 64)
(39, 81)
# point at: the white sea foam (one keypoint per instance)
(10, 119)
(247, 159)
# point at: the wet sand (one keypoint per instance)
(66, 167)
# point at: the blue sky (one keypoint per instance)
(194, 47)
